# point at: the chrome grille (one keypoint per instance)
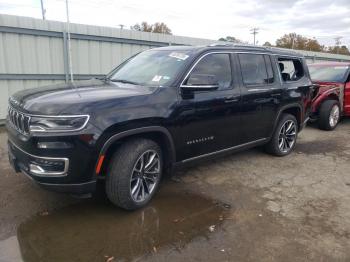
(18, 120)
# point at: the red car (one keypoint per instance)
(332, 96)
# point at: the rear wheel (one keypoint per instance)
(329, 115)
(134, 174)
(284, 137)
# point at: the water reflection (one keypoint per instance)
(95, 230)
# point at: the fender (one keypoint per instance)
(135, 131)
(294, 105)
(323, 96)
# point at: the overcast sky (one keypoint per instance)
(323, 19)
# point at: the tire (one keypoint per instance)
(278, 147)
(127, 173)
(329, 115)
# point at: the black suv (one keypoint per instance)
(158, 110)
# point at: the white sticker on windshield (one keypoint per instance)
(340, 67)
(156, 78)
(178, 55)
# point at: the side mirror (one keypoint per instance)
(201, 82)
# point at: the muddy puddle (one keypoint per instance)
(98, 231)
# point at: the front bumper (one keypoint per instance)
(47, 170)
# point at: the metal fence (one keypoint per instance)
(34, 52)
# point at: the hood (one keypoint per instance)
(74, 98)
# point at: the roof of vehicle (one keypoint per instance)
(324, 64)
(232, 47)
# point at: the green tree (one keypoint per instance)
(295, 41)
(161, 28)
(230, 39)
(314, 45)
(342, 50)
(158, 27)
(267, 44)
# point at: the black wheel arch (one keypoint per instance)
(159, 134)
(294, 109)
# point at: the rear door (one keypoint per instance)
(261, 95)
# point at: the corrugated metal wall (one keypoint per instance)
(33, 52)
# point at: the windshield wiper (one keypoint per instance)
(124, 81)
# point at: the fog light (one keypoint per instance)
(49, 167)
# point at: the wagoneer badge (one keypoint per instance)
(200, 140)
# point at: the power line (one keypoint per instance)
(337, 42)
(43, 11)
(69, 44)
(254, 32)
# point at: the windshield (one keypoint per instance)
(328, 73)
(153, 68)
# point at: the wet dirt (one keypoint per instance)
(320, 147)
(96, 230)
(294, 208)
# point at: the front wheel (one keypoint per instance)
(134, 173)
(284, 137)
(329, 115)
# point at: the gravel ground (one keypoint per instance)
(294, 208)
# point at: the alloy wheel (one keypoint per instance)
(334, 116)
(145, 175)
(287, 136)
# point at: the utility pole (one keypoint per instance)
(121, 26)
(254, 31)
(69, 45)
(43, 11)
(293, 36)
(338, 42)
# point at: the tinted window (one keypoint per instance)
(215, 67)
(291, 69)
(253, 69)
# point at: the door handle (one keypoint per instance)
(276, 94)
(231, 99)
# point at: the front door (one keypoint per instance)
(209, 118)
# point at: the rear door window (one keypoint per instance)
(291, 69)
(254, 69)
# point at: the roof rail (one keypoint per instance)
(222, 44)
(237, 45)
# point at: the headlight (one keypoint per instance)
(57, 124)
